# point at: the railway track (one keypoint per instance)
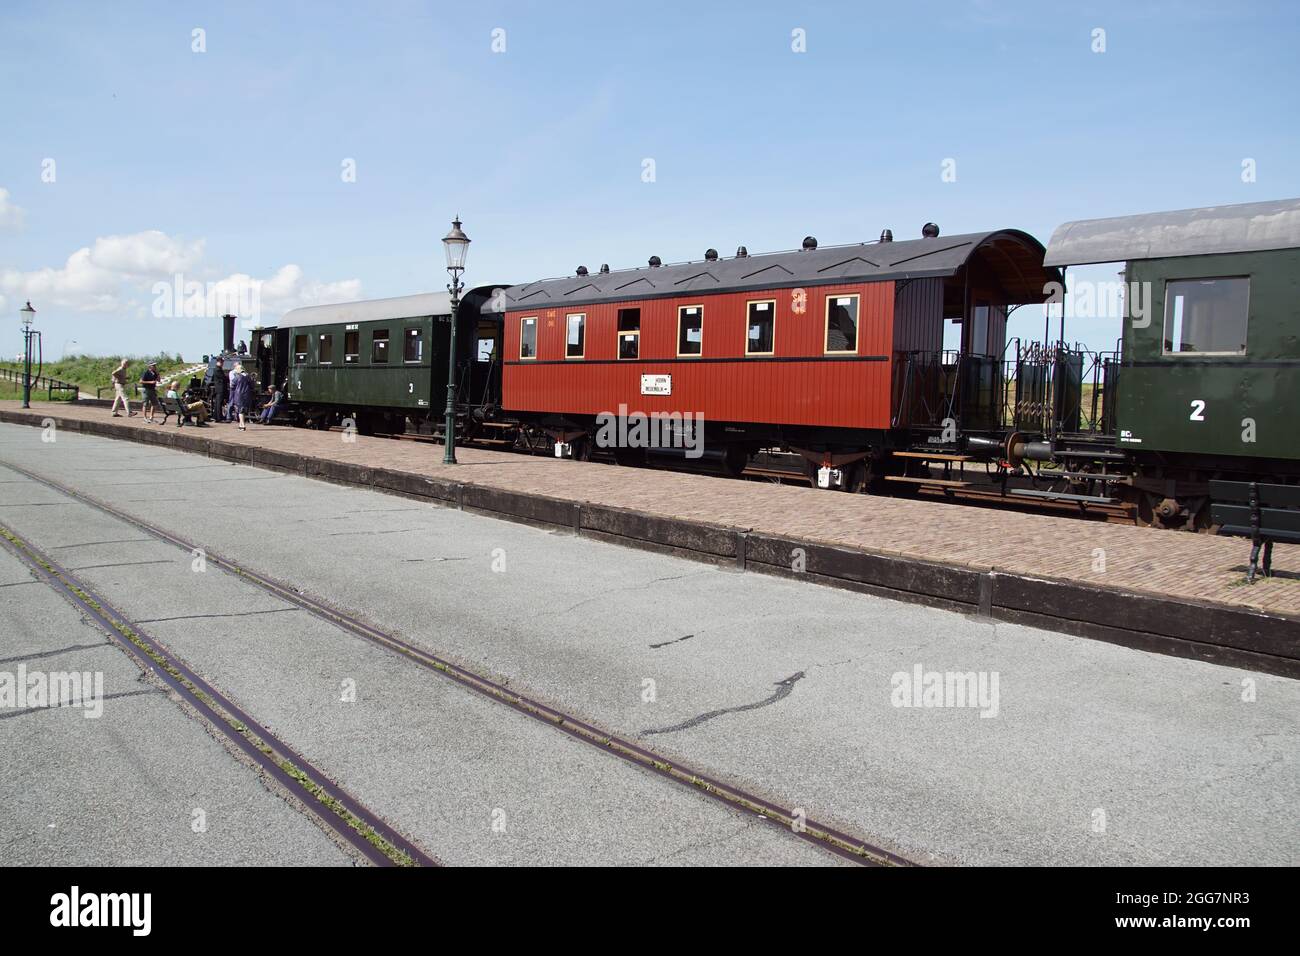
(790, 820)
(337, 810)
(1119, 513)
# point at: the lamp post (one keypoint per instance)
(456, 244)
(28, 315)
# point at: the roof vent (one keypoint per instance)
(655, 262)
(582, 270)
(809, 243)
(887, 236)
(710, 255)
(930, 230)
(604, 268)
(741, 252)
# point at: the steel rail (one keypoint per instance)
(348, 817)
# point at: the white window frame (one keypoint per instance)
(748, 305)
(857, 323)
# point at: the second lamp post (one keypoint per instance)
(456, 244)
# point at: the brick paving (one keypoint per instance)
(1171, 564)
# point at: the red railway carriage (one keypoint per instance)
(819, 350)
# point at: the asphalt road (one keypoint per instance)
(1086, 753)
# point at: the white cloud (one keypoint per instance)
(11, 216)
(118, 274)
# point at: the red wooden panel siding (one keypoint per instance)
(816, 391)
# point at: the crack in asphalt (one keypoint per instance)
(676, 640)
(117, 696)
(87, 544)
(62, 650)
(195, 617)
(118, 564)
(783, 690)
(634, 587)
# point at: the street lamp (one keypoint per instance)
(456, 244)
(28, 316)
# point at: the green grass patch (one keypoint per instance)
(92, 372)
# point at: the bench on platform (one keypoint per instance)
(1262, 512)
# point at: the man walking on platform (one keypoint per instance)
(119, 390)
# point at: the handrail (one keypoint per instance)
(51, 385)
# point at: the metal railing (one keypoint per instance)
(51, 385)
(1053, 391)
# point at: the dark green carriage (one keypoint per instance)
(384, 361)
(1210, 376)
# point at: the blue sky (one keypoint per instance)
(229, 162)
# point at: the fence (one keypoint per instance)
(51, 385)
(1054, 392)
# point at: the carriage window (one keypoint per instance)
(413, 346)
(1206, 316)
(528, 338)
(379, 347)
(842, 323)
(575, 340)
(327, 350)
(629, 333)
(690, 330)
(351, 346)
(762, 328)
(299, 349)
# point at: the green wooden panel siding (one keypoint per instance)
(364, 383)
(1161, 394)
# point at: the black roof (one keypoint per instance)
(1015, 256)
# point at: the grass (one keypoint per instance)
(92, 372)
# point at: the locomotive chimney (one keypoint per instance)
(227, 333)
(887, 236)
(930, 230)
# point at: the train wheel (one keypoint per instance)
(630, 457)
(855, 477)
(734, 460)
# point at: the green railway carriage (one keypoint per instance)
(1210, 374)
(382, 361)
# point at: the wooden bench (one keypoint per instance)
(1264, 513)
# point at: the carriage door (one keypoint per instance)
(487, 364)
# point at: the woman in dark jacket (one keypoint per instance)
(241, 394)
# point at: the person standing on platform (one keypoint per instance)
(241, 394)
(149, 384)
(218, 391)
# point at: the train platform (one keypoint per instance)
(1169, 592)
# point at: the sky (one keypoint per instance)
(316, 152)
